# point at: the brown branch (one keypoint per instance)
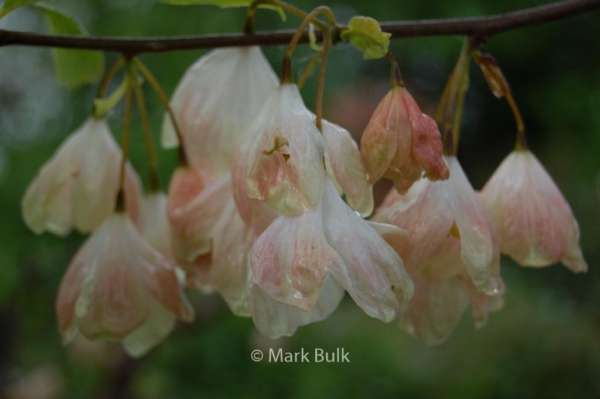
(481, 26)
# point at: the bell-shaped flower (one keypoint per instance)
(345, 168)
(216, 98)
(118, 287)
(536, 225)
(77, 188)
(401, 143)
(443, 291)
(431, 212)
(281, 157)
(295, 255)
(196, 202)
(231, 277)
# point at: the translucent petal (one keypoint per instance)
(218, 95)
(536, 225)
(276, 320)
(291, 259)
(346, 169)
(370, 270)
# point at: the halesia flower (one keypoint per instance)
(536, 225)
(196, 202)
(443, 291)
(293, 258)
(118, 287)
(281, 158)
(401, 143)
(217, 97)
(77, 188)
(231, 277)
(433, 211)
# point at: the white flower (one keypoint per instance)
(77, 187)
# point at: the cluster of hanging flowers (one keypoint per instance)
(269, 205)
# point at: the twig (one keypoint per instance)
(478, 26)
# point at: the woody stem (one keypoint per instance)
(321, 81)
(249, 22)
(108, 77)
(165, 102)
(521, 143)
(120, 206)
(143, 112)
(286, 73)
(397, 80)
(309, 68)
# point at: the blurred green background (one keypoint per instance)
(544, 343)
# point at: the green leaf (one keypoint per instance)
(365, 34)
(11, 5)
(73, 67)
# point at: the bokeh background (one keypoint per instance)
(544, 343)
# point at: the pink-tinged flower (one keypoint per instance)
(118, 287)
(401, 143)
(294, 256)
(536, 225)
(431, 212)
(77, 188)
(443, 290)
(217, 97)
(274, 319)
(345, 168)
(196, 202)
(282, 155)
(231, 277)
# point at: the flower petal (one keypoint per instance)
(157, 327)
(233, 242)
(291, 259)
(276, 320)
(479, 249)
(536, 224)
(370, 270)
(218, 96)
(282, 155)
(345, 168)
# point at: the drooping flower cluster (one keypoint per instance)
(118, 286)
(268, 210)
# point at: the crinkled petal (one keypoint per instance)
(476, 230)
(370, 270)
(291, 259)
(423, 212)
(379, 142)
(346, 169)
(282, 155)
(274, 319)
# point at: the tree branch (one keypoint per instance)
(481, 26)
